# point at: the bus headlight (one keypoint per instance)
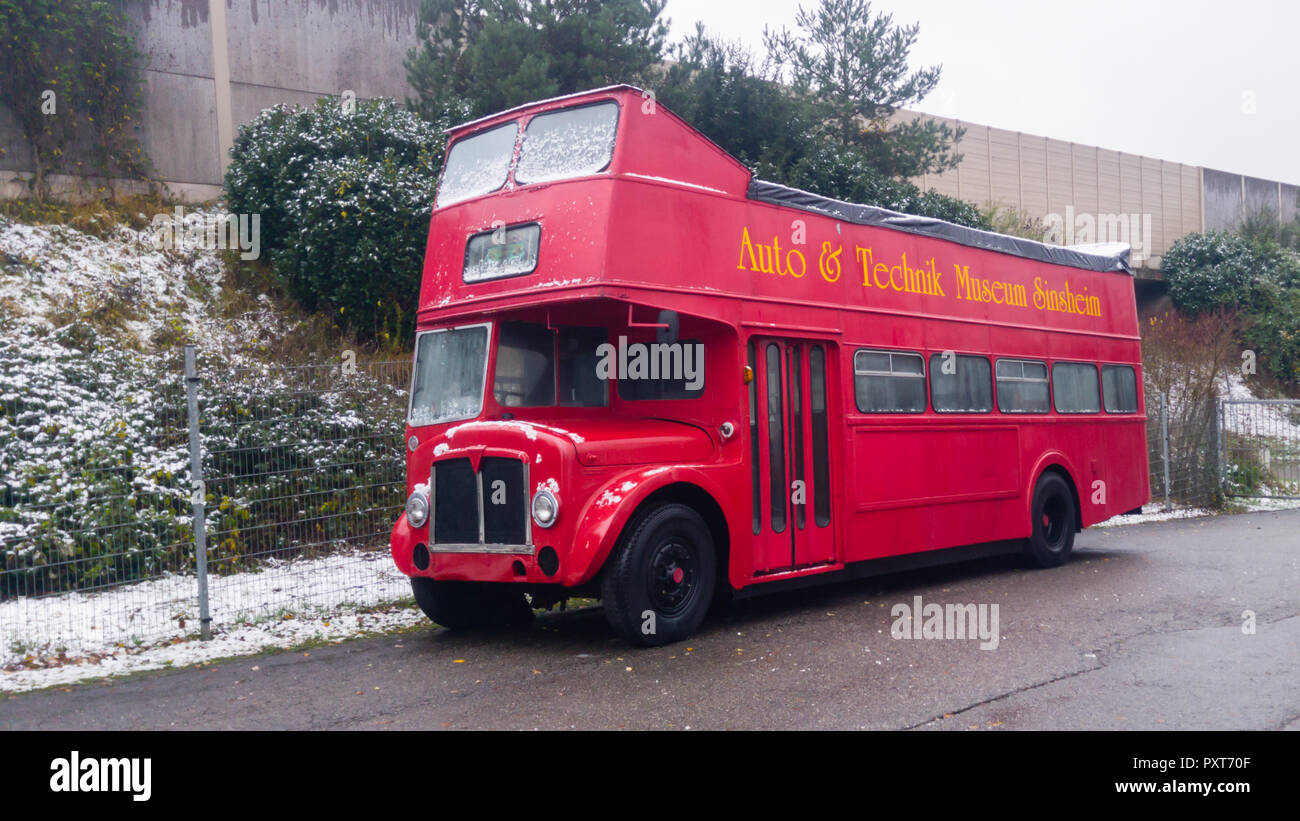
(417, 508)
(545, 508)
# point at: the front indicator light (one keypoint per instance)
(545, 508)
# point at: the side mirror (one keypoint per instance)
(668, 333)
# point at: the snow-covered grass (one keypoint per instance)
(1263, 419)
(94, 464)
(283, 605)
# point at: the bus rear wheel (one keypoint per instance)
(459, 605)
(659, 581)
(1052, 517)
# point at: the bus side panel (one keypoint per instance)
(927, 487)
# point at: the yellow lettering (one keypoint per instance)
(803, 264)
(746, 245)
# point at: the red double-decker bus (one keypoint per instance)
(643, 376)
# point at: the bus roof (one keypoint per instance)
(1111, 258)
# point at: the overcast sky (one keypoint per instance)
(1174, 80)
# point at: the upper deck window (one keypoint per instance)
(1074, 386)
(478, 165)
(568, 143)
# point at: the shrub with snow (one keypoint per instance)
(345, 200)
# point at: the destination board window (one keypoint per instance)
(960, 383)
(888, 382)
(1074, 385)
(1119, 387)
(1022, 386)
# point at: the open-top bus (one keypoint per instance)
(643, 376)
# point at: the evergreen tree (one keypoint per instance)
(851, 66)
(480, 56)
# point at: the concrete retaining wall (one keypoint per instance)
(212, 65)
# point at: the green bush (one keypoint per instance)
(1256, 277)
(344, 201)
(1210, 270)
(1271, 328)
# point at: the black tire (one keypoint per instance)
(1051, 522)
(469, 605)
(659, 581)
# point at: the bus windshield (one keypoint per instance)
(450, 365)
(541, 366)
(536, 366)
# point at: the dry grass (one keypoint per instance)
(317, 337)
(94, 217)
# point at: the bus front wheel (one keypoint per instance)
(1052, 517)
(460, 605)
(659, 581)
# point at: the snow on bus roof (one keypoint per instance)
(535, 103)
(1100, 257)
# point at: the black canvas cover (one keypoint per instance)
(1114, 257)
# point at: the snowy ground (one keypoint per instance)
(334, 598)
(1155, 513)
(49, 273)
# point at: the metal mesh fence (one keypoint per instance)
(304, 473)
(93, 498)
(1182, 452)
(1261, 448)
(303, 477)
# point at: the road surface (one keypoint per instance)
(1143, 629)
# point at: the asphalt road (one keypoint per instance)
(1142, 630)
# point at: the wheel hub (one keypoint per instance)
(672, 577)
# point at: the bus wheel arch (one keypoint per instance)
(1056, 462)
(1061, 471)
(679, 526)
(703, 503)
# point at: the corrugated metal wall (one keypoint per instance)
(1095, 192)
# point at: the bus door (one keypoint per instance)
(790, 430)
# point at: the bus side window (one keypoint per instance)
(1074, 386)
(525, 376)
(888, 382)
(960, 383)
(1022, 386)
(580, 383)
(1119, 387)
(821, 436)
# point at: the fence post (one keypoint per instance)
(199, 491)
(1220, 447)
(1164, 444)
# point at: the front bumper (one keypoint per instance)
(467, 562)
